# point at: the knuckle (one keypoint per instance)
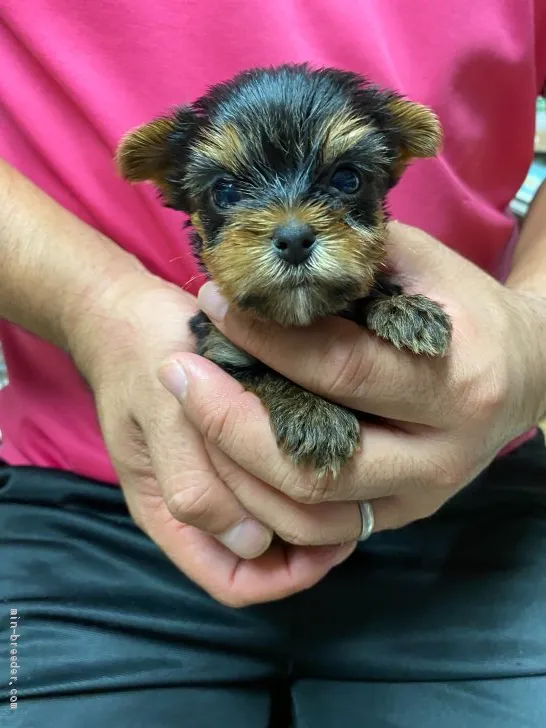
(481, 392)
(308, 496)
(305, 495)
(287, 484)
(349, 365)
(298, 530)
(289, 533)
(292, 486)
(490, 395)
(216, 424)
(307, 491)
(321, 489)
(447, 474)
(304, 534)
(193, 504)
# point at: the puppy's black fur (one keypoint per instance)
(284, 173)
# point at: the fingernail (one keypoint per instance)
(212, 303)
(173, 377)
(248, 539)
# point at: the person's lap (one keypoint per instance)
(442, 621)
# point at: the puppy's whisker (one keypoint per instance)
(193, 279)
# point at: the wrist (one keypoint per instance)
(122, 324)
(528, 343)
(89, 291)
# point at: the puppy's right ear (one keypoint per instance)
(143, 153)
(156, 152)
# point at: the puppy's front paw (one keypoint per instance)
(411, 322)
(316, 433)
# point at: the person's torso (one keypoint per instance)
(77, 75)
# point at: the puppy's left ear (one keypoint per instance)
(415, 131)
(156, 152)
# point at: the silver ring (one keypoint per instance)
(366, 514)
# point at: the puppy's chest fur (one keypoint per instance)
(213, 345)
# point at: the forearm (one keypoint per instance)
(52, 265)
(527, 280)
(529, 264)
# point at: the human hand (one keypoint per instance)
(172, 490)
(443, 420)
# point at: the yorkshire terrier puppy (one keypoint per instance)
(284, 174)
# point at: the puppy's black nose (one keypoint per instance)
(294, 241)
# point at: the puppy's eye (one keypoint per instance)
(225, 193)
(346, 180)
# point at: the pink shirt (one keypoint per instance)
(77, 74)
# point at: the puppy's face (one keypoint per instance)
(284, 174)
